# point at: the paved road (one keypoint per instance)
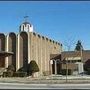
(43, 86)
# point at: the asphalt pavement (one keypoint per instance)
(43, 86)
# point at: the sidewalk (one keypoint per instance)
(29, 80)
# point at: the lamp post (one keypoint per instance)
(65, 61)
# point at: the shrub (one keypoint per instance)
(5, 74)
(46, 73)
(8, 74)
(10, 71)
(63, 71)
(33, 67)
(88, 71)
(20, 74)
(11, 68)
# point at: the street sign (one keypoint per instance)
(51, 61)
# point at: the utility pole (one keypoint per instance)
(68, 44)
(82, 57)
(66, 69)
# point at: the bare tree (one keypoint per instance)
(69, 43)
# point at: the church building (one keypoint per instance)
(28, 45)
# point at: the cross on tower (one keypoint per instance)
(26, 17)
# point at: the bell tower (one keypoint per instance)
(26, 26)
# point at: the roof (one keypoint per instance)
(55, 56)
(75, 53)
(25, 23)
(64, 54)
(5, 54)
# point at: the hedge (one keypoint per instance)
(88, 71)
(7, 74)
(63, 71)
(20, 74)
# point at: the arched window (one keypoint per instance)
(28, 27)
(23, 27)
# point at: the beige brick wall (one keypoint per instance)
(32, 46)
(41, 48)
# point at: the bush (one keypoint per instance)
(11, 68)
(33, 67)
(8, 74)
(5, 74)
(20, 74)
(10, 71)
(46, 73)
(63, 71)
(88, 71)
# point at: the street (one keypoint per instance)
(43, 86)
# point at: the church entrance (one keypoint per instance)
(56, 66)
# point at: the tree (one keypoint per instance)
(33, 67)
(79, 46)
(69, 43)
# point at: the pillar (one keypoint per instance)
(6, 59)
(29, 48)
(55, 67)
(18, 52)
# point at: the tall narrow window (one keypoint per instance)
(28, 27)
(23, 27)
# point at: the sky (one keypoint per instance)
(63, 21)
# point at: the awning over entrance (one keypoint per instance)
(55, 56)
(55, 61)
(5, 54)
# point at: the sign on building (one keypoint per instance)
(51, 61)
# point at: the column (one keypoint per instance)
(36, 52)
(45, 55)
(41, 54)
(55, 67)
(51, 62)
(36, 48)
(29, 48)
(18, 53)
(6, 59)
